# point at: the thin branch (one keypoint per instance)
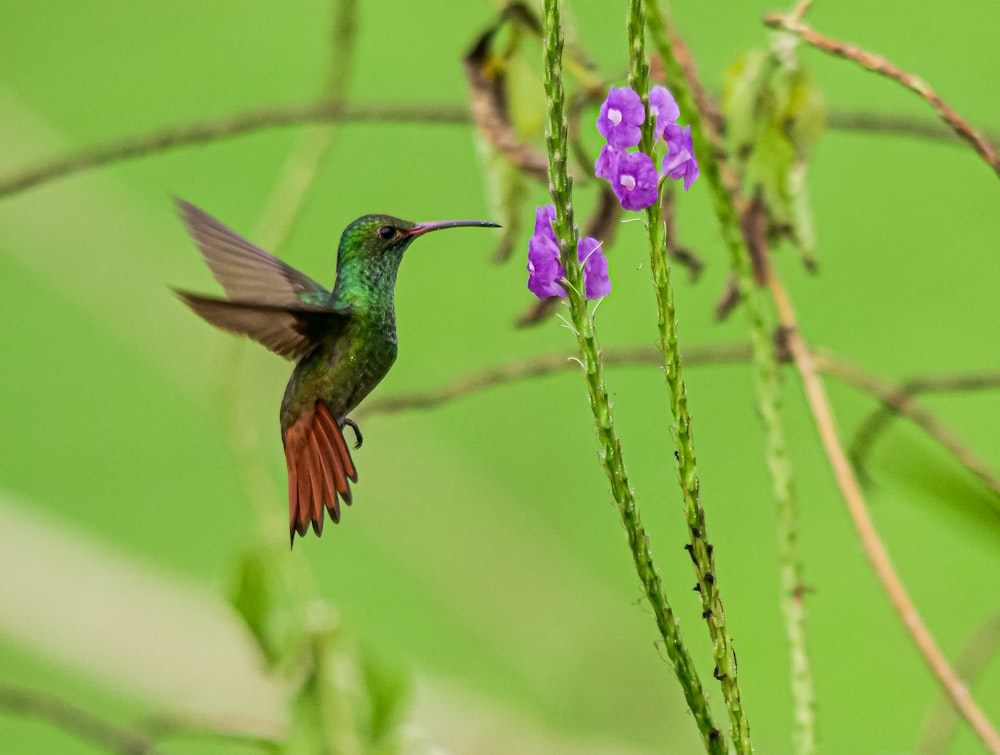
(836, 367)
(878, 64)
(870, 541)
(981, 648)
(800, 9)
(73, 720)
(489, 107)
(132, 147)
(546, 364)
(242, 124)
(900, 125)
(900, 401)
(161, 727)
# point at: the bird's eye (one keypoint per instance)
(386, 232)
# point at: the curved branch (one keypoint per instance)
(74, 720)
(981, 648)
(900, 400)
(878, 64)
(900, 125)
(875, 549)
(241, 124)
(546, 364)
(142, 145)
(839, 369)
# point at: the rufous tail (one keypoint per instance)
(319, 468)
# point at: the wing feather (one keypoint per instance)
(244, 270)
(289, 331)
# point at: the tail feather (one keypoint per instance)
(303, 517)
(322, 451)
(340, 448)
(319, 467)
(322, 484)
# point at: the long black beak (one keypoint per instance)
(421, 228)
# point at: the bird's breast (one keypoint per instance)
(341, 372)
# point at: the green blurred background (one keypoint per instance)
(483, 557)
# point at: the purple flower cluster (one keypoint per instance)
(544, 269)
(632, 175)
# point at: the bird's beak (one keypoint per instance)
(421, 228)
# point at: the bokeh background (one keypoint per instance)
(483, 558)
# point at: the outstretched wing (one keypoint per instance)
(243, 269)
(289, 331)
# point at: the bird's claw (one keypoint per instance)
(358, 437)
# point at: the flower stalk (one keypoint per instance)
(560, 186)
(699, 547)
(767, 382)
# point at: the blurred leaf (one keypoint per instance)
(487, 65)
(506, 190)
(774, 117)
(805, 112)
(343, 702)
(269, 610)
(741, 100)
(389, 695)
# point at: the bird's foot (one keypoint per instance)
(358, 437)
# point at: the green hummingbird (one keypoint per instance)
(343, 341)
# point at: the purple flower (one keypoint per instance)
(545, 270)
(544, 215)
(595, 268)
(634, 180)
(680, 161)
(606, 163)
(662, 105)
(621, 118)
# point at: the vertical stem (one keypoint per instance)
(314, 144)
(560, 187)
(952, 684)
(701, 551)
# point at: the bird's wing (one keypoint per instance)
(243, 269)
(289, 331)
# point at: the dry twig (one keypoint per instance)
(878, 64)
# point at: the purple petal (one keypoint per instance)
(680, 161)
(634, 182)
(621, 118)
(544, 269)
(663, 108)
(595, 268)
(677, 137)
(606, 164)
(544, 215)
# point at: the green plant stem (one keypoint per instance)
(701, 551)
(611, 453)
(288, 199)
(767, 383)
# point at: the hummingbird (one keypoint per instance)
(343, 340)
